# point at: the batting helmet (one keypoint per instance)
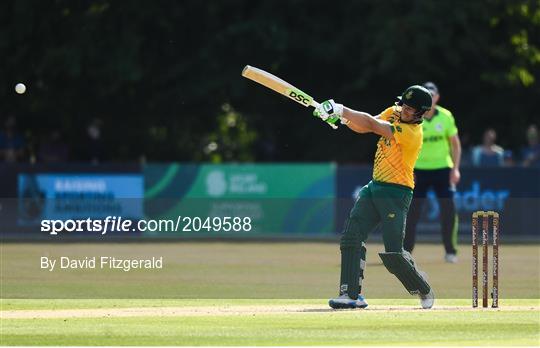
(417, 97)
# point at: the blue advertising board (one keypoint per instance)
(513, 192)
(79, 196)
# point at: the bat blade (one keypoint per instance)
(278, 85)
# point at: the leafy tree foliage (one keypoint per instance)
(158, 73)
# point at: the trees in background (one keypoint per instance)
(164, 77)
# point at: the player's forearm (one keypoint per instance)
(356, 128)
(456, 151)
(360, 122)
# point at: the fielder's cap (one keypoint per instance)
(431, 87)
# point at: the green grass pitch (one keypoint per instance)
(265, 322)
(234, 294)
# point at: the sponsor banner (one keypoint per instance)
(277, 198)
(513, 192)
(78, 196)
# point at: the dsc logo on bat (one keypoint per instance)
(306, 100)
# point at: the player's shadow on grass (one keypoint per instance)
(322, 310)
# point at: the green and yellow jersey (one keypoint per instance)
(435, 153)
(395, 158)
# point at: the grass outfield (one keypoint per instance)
(255, 294)
(246, 270)
(265, 322)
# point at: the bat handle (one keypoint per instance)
(316, 105)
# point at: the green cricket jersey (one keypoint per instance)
(436, 149)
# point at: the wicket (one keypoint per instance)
(485, 215)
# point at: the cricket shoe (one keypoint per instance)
(427, 300)
(344, 301)
(450, 258)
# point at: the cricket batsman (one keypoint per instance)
(384, 200)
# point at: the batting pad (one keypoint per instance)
(402, 266)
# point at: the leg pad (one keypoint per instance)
(402, 266)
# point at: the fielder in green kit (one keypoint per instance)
(437, 168)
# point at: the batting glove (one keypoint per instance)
(330, 112)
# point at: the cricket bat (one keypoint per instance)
(282, 87)
(275, 83)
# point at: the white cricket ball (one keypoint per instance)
(20, 88)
